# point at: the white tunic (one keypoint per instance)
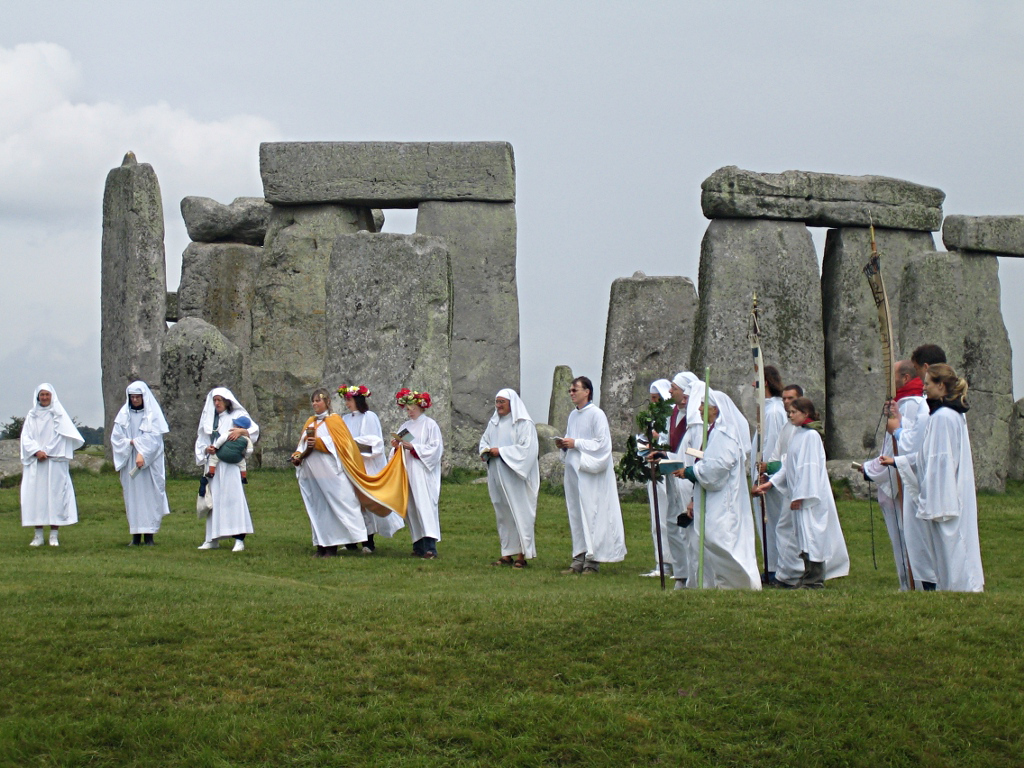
(424, 472)
(47, 495)
(591, 494)
(335, 515)
(513, 479)
(804, 477)
(145, 497)
(774, 422)
(949, 504)
(366, 430)
(915, 530)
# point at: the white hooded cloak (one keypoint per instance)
(141, 433)
(47, 495)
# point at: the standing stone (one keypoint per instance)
(134, 284)
(389, 315)
(245, 220)
(481, 240)
(560, 405)
(952, 299)
(289, 336)
(1001, 235)
(649, 336)
(776, 259)
(1016, 463)
(196, 358)
(218, 284)
(855, 379)
(821, 199)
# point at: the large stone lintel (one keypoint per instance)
(387, 174)
(821, 199)
(999, 235)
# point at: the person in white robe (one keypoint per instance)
(804, 482)
(49, 439)
(730, 561)
(335, 514)
(893, 497)
(137, 444)
(678, 490)
(789, 566)
(366, 430)
(775, 420)
(591, 493)
(660, 391)
(948, 503)
(230, 516)
(422, 439)
(509, 446)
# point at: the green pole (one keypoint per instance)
(703, 495)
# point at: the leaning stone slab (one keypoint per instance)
(821, 199)
(388, 300)
(289, 333)
(1016, 463)
(196, 358)
(777, 260)
(387, 174)
(134, 284)
(560, 406)
(648, 336)
(481, 240)
(855, 379)
(243, 221)
(1001, 235)
(969, 327)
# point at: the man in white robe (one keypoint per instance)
(137, 443)
(591, 494)
(48, 441)
(775, 420)
(660, 391)
(509, 446)
(683, 423)
(789, 566)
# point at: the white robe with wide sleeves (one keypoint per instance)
(774, 422)
(424, 470)
(366, 430)
(513, 480)
(47, 495)
(141, 433)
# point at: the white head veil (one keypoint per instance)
(515, 402)
(206, 420)
(730, 418)
(684, 379)
(62, 423)
(152, 414)
(694, 414)
(661, 388)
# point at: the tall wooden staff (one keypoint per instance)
(703, 493)
(873, 272)
(759, 397)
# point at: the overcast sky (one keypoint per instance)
(616, 111)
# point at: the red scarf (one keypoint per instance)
(676, 431)
(913, 388)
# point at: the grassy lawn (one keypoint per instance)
(172, 656)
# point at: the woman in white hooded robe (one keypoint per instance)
(230, 514)
(48, 441)
(509, 446)
(423, 465)
(366, 430)
(137, 443)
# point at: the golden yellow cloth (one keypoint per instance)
(383, 493)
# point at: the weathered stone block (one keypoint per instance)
(196, 358)
(245, 220)
(649, 336)
(481, 239)
(777, 260)
(387, 174)
(10, 458)
(560, 406)
(842, 471)
(134, 284)
(821, 199)
(1016, 463)
(546, 435)
(289, 336)
(1001, 235)
(389, 314)
(855, 379)
(171, 312)
(952, 299)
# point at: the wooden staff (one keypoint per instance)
(759, 398)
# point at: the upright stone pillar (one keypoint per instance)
(389, 315)
(854, 369)
(952, 299)
(560, 405)
(777, 260)
(134, 284)
(649, 336)
(481, 240)
(289, 336)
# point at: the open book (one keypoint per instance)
(405, 436)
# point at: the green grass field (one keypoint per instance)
(171, 656)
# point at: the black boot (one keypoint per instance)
(148, 537)
(136, 540)
(814, 578)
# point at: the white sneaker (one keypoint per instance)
(38, 540)
(54, 541)
(367, 551)
(680, 584)
(656, 574)
(212, 544)
(239, 546)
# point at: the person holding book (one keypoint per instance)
(137, 444)
(509, 447)
(659, 391)
(420, 438)
(230, 516)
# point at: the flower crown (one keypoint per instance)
(412, 397)
(353, 390)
